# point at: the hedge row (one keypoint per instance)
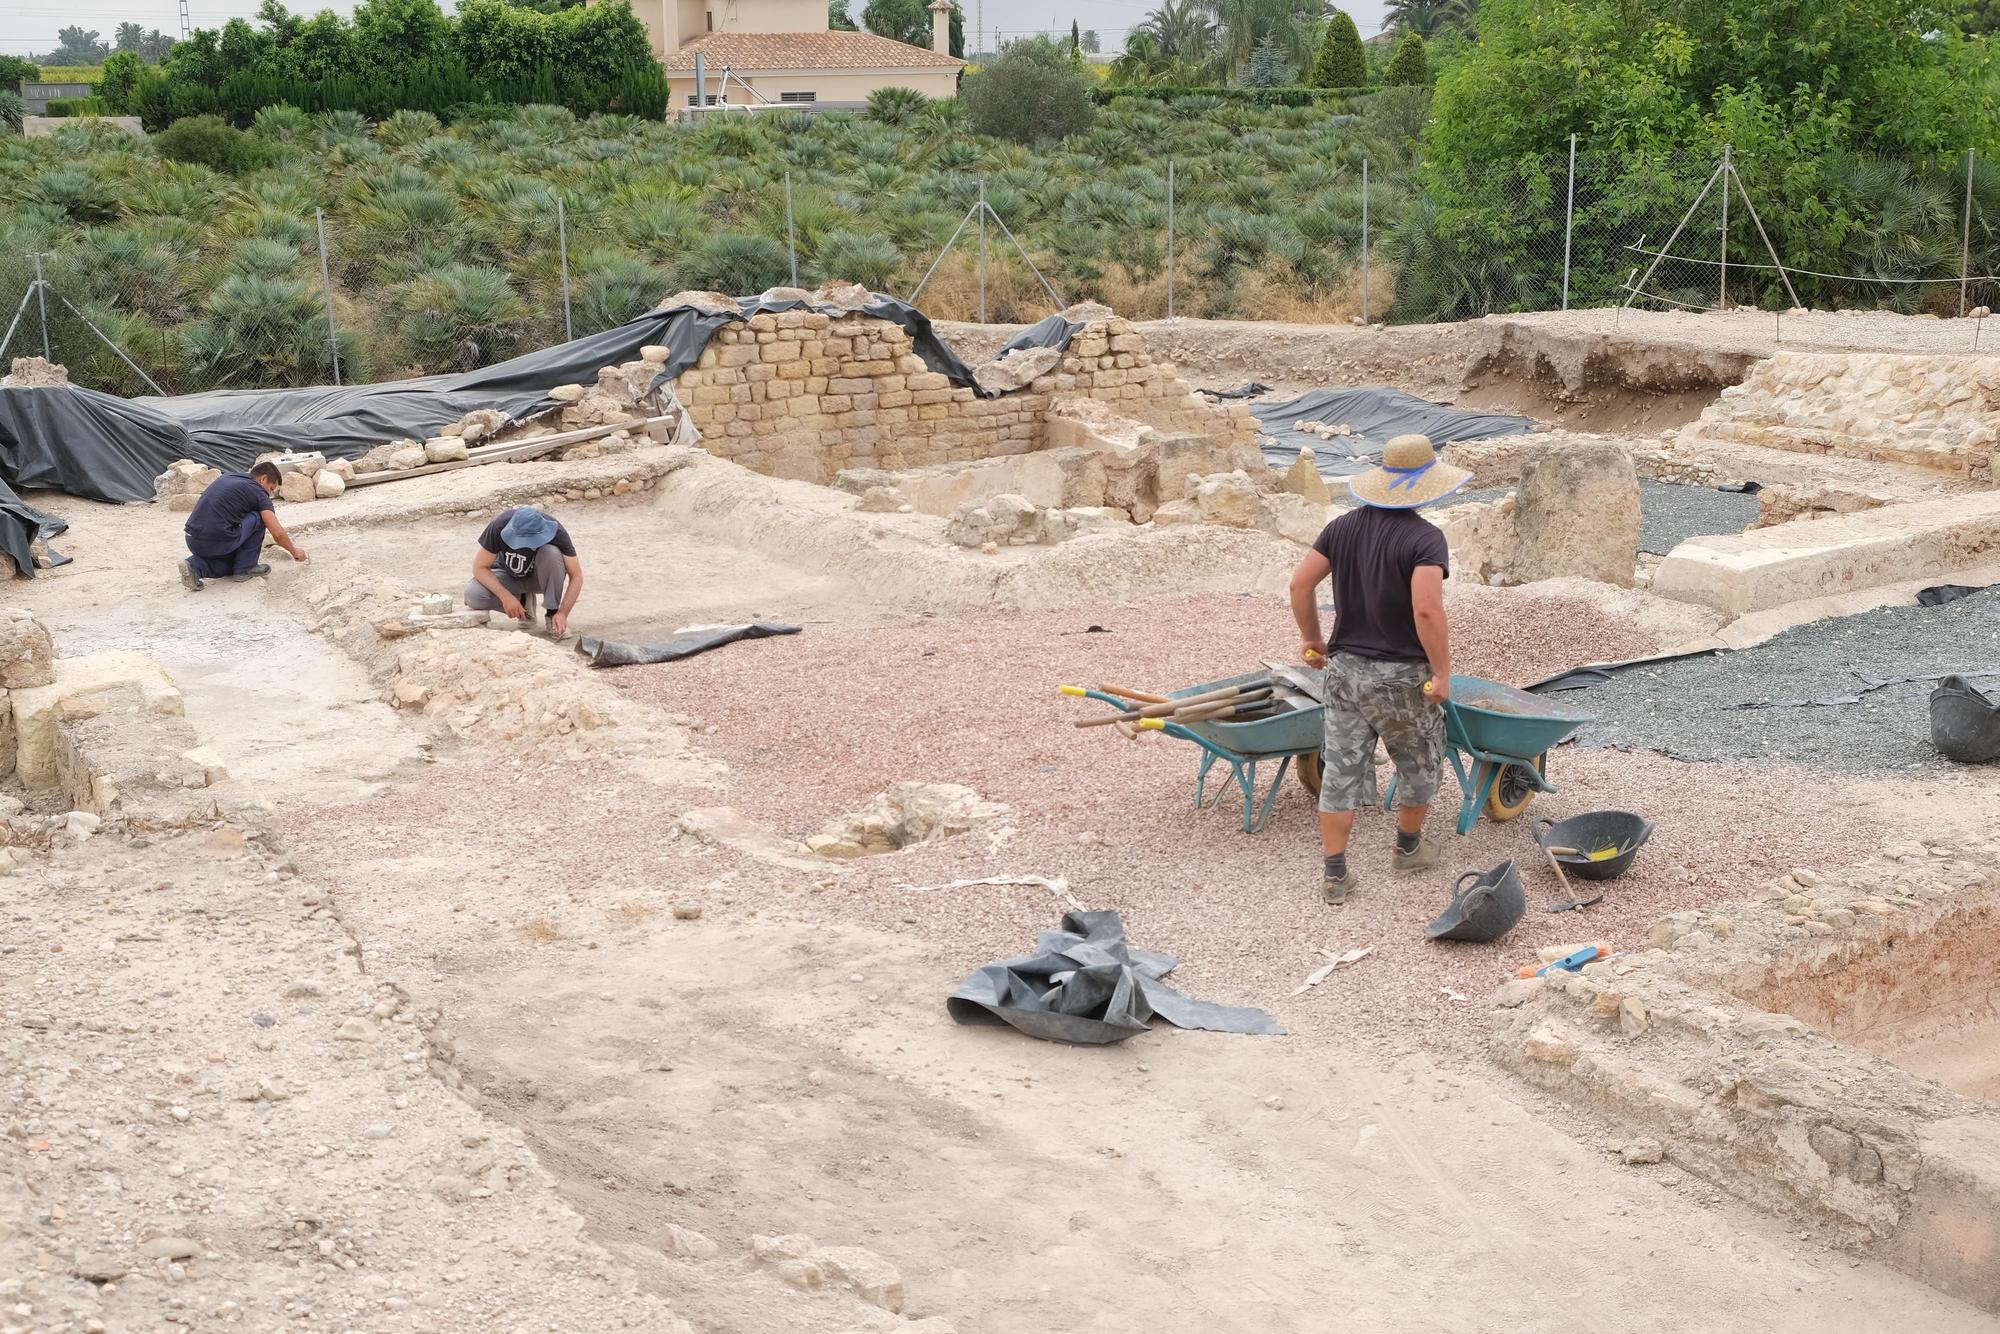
(1261, 97)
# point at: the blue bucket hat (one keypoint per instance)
(528, 529)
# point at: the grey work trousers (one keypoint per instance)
(548, 578)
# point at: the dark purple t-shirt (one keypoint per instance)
(1373, 552)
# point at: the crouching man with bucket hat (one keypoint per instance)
(522, 555)
(1388, 660)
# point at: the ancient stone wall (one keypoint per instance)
(1940, 413)
(804, 395)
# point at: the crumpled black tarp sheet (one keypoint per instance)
(103, 447)
(1965, 722)
(685, 644)
(21, 524)
(1375, 414)
(1055, 332)
(1086, 986)
(1939, 594)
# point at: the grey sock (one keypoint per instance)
(1407, 843)
(1336, 866)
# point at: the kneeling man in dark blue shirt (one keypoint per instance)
(225, 533)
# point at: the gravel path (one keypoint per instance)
(973, 702)
(1688, 708)
(1670, 514)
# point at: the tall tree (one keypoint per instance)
(1075, 39)
(1266, 67)
(1182, 30)
(1410, 66)
(79, 46)
(910, 21)
(837, 17)
(1091, 44)
(1430, 19)
(1341, 63)
(129, 37)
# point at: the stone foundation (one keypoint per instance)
(804, 395)
(1939, 413)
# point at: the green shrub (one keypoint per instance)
(1341, 62)
(210, 142)
(1032, 92)
(77, 106)
(735, 264)
(1410, 68)
(895, 106)
(12, 110)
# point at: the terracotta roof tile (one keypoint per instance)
(750, 51)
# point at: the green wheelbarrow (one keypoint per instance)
(1498, 739)
(1284, 729)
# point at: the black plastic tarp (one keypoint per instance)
(103, 447)
(21, 525)
(1055, 332)
(1085, 985)
(682, 644)
(1373, 415)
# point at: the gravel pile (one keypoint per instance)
(812, 726)
(1670, 514)
(1689, 709)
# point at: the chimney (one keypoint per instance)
(941, 26)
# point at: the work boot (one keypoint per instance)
(1335, 892)
(254, 572)
(191, 581)
(1419, 858)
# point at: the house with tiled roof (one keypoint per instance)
(772, 53)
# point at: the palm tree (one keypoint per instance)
(1428, 18)
(1183, 29)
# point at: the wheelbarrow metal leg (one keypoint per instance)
(1270, 797)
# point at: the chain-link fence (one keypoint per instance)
(281, 295)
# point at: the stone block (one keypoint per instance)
(1577, 513)
(445, 449)
(38, 709)
(27, 654)
(295, 487)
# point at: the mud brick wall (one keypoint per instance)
(801, 394)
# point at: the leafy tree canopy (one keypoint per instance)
(1411, 66)
(1032, 91)
(910, 21)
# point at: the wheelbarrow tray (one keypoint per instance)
(1492, 729)
(1296, 730)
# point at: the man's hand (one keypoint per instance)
(559, 622)
(1314, 654)
(298, 555)
(511, 606)
(1437, 690)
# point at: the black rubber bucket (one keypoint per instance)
(1484, 906)
(1592, 832)
(1965, 722)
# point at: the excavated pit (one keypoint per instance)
(1926, 998)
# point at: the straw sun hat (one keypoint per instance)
(1411, 475)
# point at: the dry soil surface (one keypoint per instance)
(782, 1062)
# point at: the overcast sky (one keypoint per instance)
(29, 26)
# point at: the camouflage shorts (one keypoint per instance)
(1367, 698)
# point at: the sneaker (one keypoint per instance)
(254, 572)
(1334, 891)
(1419, 858)
(191, 581)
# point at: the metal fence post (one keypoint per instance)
(326, 284)
(982, 250)
(791, 231)
(562, 257)
(1728, 171)
(1364, 241)
(42, 304)
(1965, 237)
(1170, 238)
(1569, 219)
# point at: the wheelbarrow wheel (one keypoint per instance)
(1307, 767)
(1512, 791)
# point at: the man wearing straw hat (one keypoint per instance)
(1388, 661)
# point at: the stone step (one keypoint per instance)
(1769, 567)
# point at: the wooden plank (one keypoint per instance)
(509, 451)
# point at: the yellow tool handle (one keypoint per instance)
(1078, 691)
(1152, 724)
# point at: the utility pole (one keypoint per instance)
(186, 28)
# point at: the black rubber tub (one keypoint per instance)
(1594, 831)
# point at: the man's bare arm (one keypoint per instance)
(1427, 602)
(280, 536)
(482, 570)
(1305, 604)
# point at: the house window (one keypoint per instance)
(798, 97)
(712, 100)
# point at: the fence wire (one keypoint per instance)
(422, 283)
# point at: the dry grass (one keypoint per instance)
(632, 912)
(539, 931)
(1013, 296)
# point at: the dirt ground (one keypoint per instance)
(782, 1063)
